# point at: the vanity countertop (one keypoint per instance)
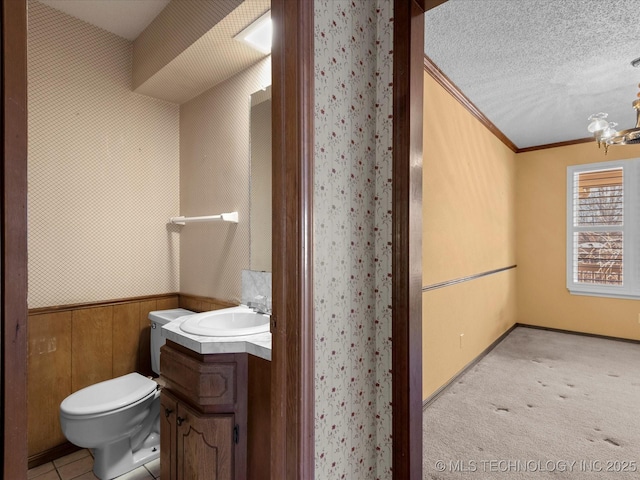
(258, 345)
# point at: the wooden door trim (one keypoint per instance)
(408, 53)
(14, 239)
(292, 407)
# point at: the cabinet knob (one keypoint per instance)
(179, 420)
(167, 412)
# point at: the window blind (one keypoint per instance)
(598, 220)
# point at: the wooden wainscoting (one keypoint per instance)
(203, 304)
(73, 346)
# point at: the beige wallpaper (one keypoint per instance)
(175, 29)
(261, 185)
(214, 178)
(103, 169)
(202, 51)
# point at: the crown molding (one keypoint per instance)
(555, 145)
(432, 69)
(437, 74)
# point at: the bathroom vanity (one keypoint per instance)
(215, 413)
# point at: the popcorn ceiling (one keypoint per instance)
(538, 68)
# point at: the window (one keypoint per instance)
(603, 229)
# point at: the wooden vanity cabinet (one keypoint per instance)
(195, 446)
(215, 416)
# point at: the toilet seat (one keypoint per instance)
(109, 395)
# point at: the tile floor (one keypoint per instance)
(79, 466)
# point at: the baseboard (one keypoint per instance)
(573, 332)
(52, 454)
(434, 396)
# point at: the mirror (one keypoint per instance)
(260, 181)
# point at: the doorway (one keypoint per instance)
(293, 133)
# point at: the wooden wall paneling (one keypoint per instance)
(50, 377)
(191, 303)
(170, 298)
(13, 240)
(49, 373)
(408, 52)
(144, 336)
(203, 304)
(126, 327)
(91, 346)
(208, 306)
(167, 303)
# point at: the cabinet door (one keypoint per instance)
(168, 414)
(204, 445)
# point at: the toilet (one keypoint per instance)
(119, 419)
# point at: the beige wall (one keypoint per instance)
(103, 169)
(481, 309)
(261, 186)
(201, 52)
(484, 208)
(214, 178)
(178, 26)
(543, 298)
(468, 228)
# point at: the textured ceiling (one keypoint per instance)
(125, 18)
(538, 68)
(214, 57)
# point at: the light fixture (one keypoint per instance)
(604, 131)
(258, 34)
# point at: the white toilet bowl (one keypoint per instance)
(118, 419)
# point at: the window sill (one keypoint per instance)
(621, 296)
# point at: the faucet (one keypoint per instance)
(260, 304)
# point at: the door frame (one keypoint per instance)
(14, 238)
(406, 352)
(293, 360)
(292, 417)
(408, 93)
(292, 357)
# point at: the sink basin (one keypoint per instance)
(229, 322)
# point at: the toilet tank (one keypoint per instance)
(159, 318)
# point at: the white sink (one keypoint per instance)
(228, 322)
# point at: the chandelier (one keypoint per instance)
(605, 132)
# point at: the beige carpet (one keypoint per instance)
(540, 405)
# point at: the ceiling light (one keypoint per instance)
(605, 133)
(258, 34)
